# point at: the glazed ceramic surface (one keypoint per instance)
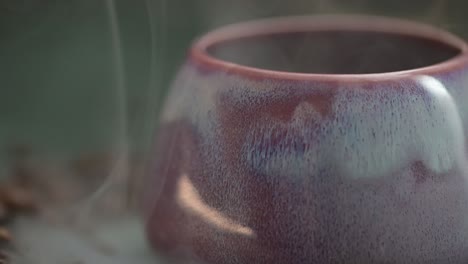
(342, 157)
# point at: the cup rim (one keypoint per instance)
(199, 50)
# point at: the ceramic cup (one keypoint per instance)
(330, 139)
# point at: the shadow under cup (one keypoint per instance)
(314, 140)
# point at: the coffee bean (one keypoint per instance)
(17, 199)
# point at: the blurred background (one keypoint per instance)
(86, 78)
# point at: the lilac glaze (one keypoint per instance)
(257, 166)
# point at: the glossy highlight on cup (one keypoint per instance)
(324, 139)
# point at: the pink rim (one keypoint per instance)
(200, 56)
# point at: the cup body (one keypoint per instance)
(258, 165)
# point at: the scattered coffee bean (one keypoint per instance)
(17, 199)
(5, 235)
(4, 258)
